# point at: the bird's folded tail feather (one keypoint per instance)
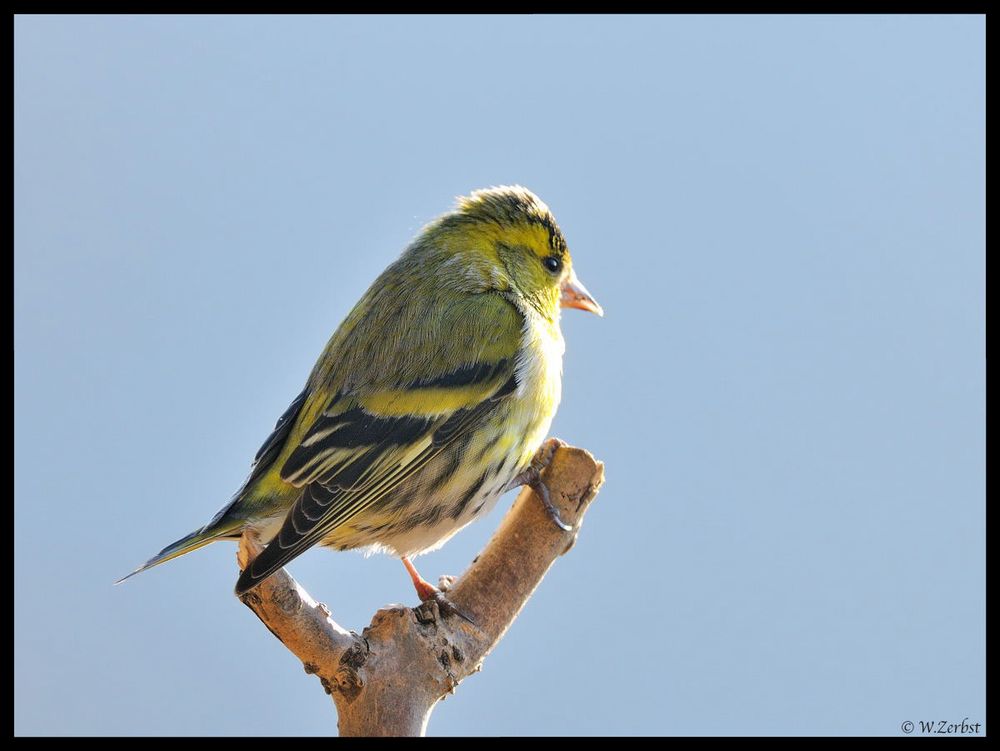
(197, 539)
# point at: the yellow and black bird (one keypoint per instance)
(428, 402)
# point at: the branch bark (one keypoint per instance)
(387, 680)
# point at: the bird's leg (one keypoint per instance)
(532, 477)
(427, 591)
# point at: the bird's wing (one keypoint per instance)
(274, 443)
(371, 438)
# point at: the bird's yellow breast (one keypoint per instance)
(539, 378)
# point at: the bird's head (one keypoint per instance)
(506, 239)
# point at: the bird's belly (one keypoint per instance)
(453, 490)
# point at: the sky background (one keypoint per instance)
(784, 220)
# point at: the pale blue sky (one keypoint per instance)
(783, 218)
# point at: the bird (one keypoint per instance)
(428, 402)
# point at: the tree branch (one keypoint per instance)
(387, 680)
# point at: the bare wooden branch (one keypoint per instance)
(387, 680)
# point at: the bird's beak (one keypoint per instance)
(575, 295)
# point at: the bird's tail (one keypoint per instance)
(197, 539)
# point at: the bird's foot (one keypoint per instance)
(428, 592)
(445, 606)
(532, 477)
(543, 457)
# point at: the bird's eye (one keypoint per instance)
(553, 264)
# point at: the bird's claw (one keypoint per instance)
(532, 477)
(542, 491)
(445, 606)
